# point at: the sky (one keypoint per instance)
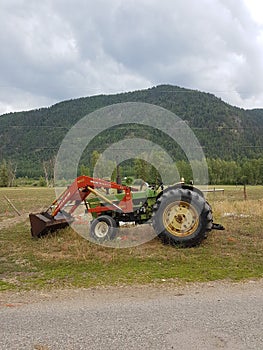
(54, 50)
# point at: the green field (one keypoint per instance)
(65, 259)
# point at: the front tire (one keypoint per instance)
(182, 217)
(103, 228)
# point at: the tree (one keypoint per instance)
(11, 173)
(48, 167)
(7, 174)
(185, 171)
(94, 158)
(4, 174)
(42, 182)
(84, 170)
(141, 169)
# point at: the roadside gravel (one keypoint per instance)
(214, 315)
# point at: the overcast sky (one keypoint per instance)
(53, 50)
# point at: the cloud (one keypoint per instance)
(55, 50)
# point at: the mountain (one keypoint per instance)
(226, 132)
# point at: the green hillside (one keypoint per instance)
(226, 132)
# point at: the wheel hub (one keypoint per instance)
(180, 218)
(101, 229)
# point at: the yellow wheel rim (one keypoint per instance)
(180, 219)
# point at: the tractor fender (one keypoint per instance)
(183, 186)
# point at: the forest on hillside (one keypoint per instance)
(220, 172)
(231, 138)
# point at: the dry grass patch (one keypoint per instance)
(65, 259)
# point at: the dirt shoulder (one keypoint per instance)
(111, 293)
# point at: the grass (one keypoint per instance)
(25, 199)
(65, 259)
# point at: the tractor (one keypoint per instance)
(179, 214)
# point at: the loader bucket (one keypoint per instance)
(43, 223)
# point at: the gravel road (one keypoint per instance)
(216, 315)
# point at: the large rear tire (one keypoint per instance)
(182, 217)
(103, 228)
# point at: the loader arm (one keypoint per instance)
(73, 196)
(81, 188)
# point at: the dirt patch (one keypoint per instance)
(13, 221)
